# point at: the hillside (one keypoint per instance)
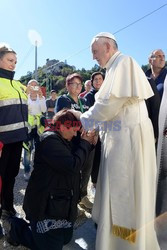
(53, 74)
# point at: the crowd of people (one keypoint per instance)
(113, 133)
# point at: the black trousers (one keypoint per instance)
(96, 162)
(24, 234)
(9, 168)
(86, 172)
(52, 240)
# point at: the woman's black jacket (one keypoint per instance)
(90, 97)
(56, 174)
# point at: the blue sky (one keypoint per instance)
(68, 26)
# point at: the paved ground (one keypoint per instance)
(84, 233)
(84, 237)
(161, 228)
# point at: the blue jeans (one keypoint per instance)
(26, 160)
(33, 139)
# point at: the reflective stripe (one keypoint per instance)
(34, 121)
(12, 101)
(12, 127)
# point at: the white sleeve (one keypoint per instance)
(101, 111)
(42, 103)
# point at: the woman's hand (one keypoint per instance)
(34, 91)
(28, 89)
(40, 93)
(90, 136)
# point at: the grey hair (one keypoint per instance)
(152, 54)
(103, 40)
(86, 83)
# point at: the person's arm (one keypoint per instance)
(50, 109)
(48, 104)
(101, 111)
(62, 102)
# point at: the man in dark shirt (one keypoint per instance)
(157, 70)
(156, 76)
(50, 103)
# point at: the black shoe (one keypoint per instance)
(6, 218)
(7, 227)
(11, 241)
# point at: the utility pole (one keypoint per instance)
(36, 72)
(36, 41)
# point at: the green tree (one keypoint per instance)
(145, 67)
(66, 71)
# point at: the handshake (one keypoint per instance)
(90, 136)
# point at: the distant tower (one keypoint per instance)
(36, 41)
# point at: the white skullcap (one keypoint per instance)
(105, 34)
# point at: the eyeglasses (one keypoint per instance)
(158, 56)
(76, 84)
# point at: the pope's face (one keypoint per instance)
(99, 51)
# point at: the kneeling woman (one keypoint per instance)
(53, 190)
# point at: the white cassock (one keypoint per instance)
(124, 206)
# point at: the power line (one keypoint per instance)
(139, 19)
(25, 57)
(127, 26)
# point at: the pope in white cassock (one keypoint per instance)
(124, 206)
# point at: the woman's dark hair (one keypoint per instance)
(4, 50)
(71, 77)
(65, 117)
(95, 74)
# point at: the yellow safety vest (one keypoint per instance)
(33, 121)
(13, 111)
